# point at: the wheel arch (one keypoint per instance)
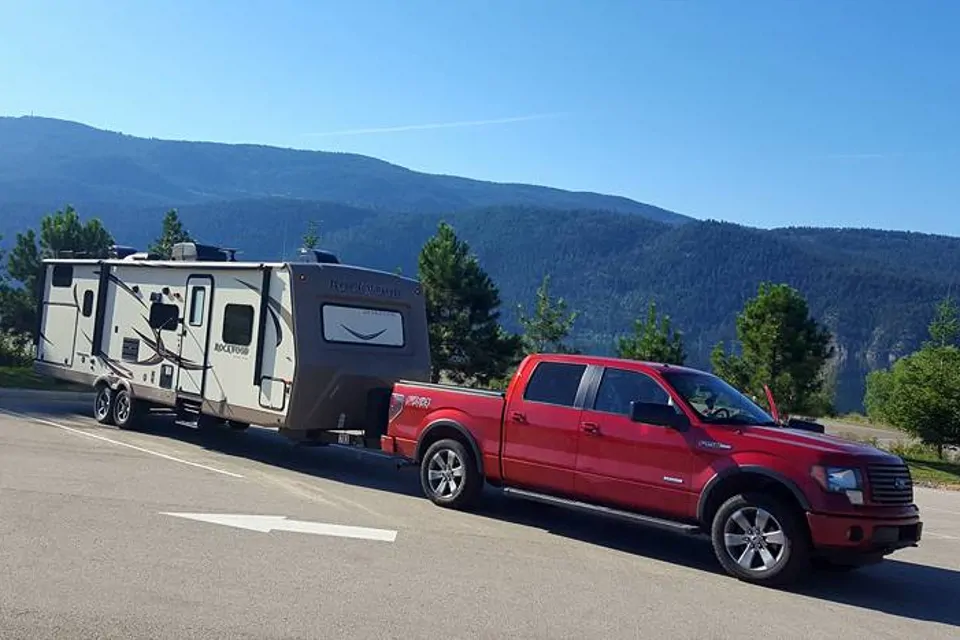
(446, 428)
(113, 382)
(729, 482)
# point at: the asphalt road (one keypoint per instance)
(87, 552)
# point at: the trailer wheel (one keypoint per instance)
(126, 409)
(103, 405)
(449, 475)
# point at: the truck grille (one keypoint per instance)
(890, 484)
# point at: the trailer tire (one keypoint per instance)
(126, 409)
(449, 475)
(103, 404)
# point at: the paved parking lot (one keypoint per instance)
(88, 549)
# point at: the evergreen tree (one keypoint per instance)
(467, 342)
(782, 346)
(171, 234)
(311, 237)
(653, 340)
(550, 324)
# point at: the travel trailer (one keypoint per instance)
(308, 347)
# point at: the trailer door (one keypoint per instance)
(195, 337)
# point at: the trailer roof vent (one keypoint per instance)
(195, 252)
(319, 256)
(120, 251)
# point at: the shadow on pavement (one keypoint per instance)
(894, 587)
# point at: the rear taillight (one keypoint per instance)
(396, 406)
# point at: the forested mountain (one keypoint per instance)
(54, 161)
(607, 256)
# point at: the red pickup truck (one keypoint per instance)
(666, 446)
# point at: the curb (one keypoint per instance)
(45, 394)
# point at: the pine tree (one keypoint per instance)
(172, 233)
(550, 324)
(467, 343)
(782, 346)
(311, 237)
(653, 340)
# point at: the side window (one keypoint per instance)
(164, 316)
(62, 275)
(238, 324)
(198, 299)
(554, 383)
(87, 303)
(619, 387)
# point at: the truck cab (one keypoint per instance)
(662, 445)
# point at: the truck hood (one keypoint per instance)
(820, 443)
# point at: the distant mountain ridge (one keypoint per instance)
(43, 159)
(607, 256)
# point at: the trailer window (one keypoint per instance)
(164, 316)
(198, 299)
(359, 325)
(62, 275)
(87, 303)
(238, 324)
(555, 383)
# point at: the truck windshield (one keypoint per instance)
(716, 401)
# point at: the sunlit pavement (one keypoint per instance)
(88, 548)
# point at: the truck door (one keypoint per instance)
(632, 464)
(541, 428)
(194, 336)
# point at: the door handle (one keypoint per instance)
(591, 428)
(516, 416)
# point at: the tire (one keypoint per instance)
(126, 409)
(779, 556)
(449, 475)
(103, 405)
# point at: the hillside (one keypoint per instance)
(50, 162)
(607, 256)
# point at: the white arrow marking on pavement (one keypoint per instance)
(266, 524)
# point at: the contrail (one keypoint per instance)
(438, 125)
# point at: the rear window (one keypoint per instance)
(555, 383)
(360, 325)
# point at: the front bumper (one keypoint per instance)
(870, 535)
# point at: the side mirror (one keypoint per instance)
(659, 414)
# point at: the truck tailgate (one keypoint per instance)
(415, 407)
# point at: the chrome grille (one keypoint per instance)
(890, 484)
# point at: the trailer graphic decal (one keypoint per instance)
(274, 309)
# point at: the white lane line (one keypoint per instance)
(266, 524)
(940, 536)
(81, 432)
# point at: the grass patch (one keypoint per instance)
(927, 469)
(25, 378)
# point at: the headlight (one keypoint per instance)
(846, 480)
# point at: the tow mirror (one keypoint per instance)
(663, 415)
(805, 425)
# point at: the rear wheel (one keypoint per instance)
(126, 409)
(103, 403)
(761, 540)
(449, 475)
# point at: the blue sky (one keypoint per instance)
(770, 113)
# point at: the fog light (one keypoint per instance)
(855, 497)
(855, 534)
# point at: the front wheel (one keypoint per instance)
(449, 475)
(759, 539)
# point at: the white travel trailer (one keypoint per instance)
(308, 347)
